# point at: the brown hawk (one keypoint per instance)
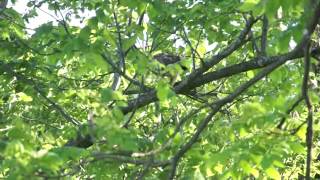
(166, 59)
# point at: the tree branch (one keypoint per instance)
(117, 76)
(127, 159)
(264, 36)
(294, 105)
(256, 63)
(309, 134)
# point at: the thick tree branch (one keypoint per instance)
(309, 134)
(256, 63)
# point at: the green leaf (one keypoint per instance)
(163, 91)
(129, 43)
(273, 173)
(250, 74)
(117, 113)
(44, 28)
(23, 97)
(276, 75)
(243, 132)
(141, 63)
(106, 95)
(14, 148)
(245, 166)
(248, 5)
(69, 153)
(129, 3)
(278, 164)
(271, 8)
(255, 172)
(95, 61)
(267, 161)
(110, 38)
(16, 133)
(284, 42)
(51, 161)
(85, 33)
(297, 147)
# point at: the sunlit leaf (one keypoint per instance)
(24, 97)
(273, 173)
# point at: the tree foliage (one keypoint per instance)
(95, 101)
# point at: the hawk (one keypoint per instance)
(166, 59)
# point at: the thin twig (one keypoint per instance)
(295, 130)
(255, 47)
(117, 76)
(193, 50)
(264, 36)
(63, 21)
(118, 70)
(126, 124)
(294, 105)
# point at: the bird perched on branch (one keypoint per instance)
(170, 59)
(85, 135)
(167, 59)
